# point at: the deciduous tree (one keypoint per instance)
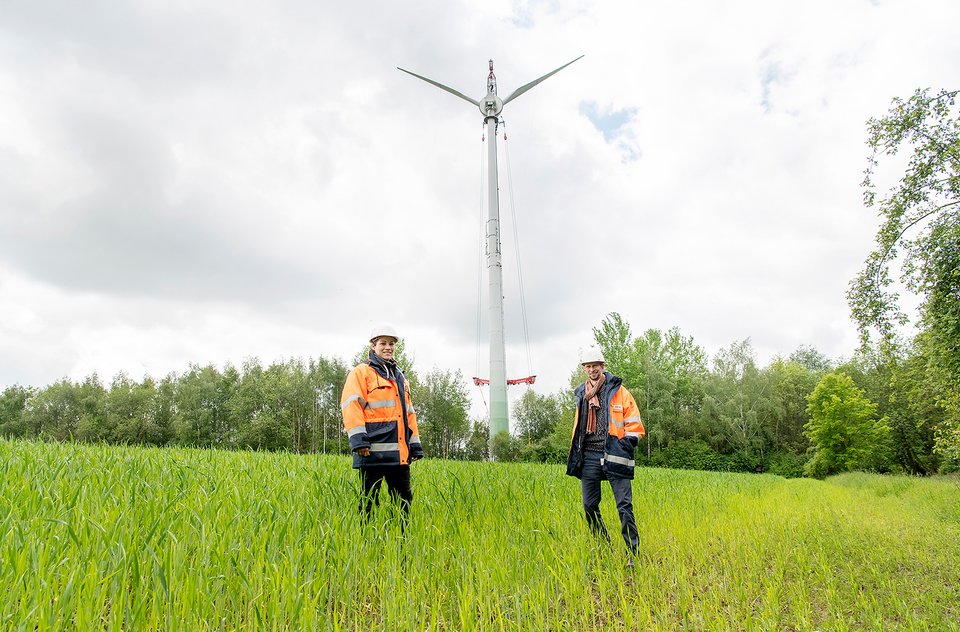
(442, 403)
(13, 405)
(920, 224)
(844, 430)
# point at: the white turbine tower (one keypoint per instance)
(490, 106)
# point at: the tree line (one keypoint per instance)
(288, 405)
(801, 414)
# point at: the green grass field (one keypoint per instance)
(114, 538)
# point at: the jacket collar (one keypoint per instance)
(610, 386)
(387, 369)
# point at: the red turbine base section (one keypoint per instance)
(530, 379)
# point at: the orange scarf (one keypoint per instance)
(590, 390)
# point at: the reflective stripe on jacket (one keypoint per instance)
(623, 432)
(375, 416)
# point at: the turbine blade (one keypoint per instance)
(443, 87)
(524, 88)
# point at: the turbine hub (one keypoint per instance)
(491, 105)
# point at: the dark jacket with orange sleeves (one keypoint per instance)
(378, 414)
(623, 433)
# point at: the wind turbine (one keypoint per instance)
(490, 107)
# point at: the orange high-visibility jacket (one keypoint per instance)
(376, 417)
(623, 431)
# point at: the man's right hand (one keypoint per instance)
(363, 451)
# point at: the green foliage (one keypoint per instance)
(673, 372)
(130, 413)
(13, 404)
(939, 281)
(844, 430)
(750, 419)
(691, 454)
(504, 447)
(790, 383)
(914, 413)
(443, 404)
(202, 416)
(324, 433)
(614, 339)
(940, 341)
(898, 380)
(737, 405)
(665, 372)
(286, 406)
(543, 427)
(811, 359)
(928, 127)
(53, 412)
(787, 464)
(278, 407)
(477, 446)
(535, 416)
(920, 224)
(65, 410)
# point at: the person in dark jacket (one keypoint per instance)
(606, 431)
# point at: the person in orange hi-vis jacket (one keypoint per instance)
(606, 431)
(381, 423)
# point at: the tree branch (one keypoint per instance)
(905, 229)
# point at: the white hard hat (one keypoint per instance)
(590, 355)
(383, 330)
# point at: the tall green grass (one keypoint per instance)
(145, 539)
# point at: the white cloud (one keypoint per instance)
(201, 182)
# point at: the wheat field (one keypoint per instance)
(115, 538)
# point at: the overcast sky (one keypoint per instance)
(204, 182)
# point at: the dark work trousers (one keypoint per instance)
(398, 484)
(590, 481)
